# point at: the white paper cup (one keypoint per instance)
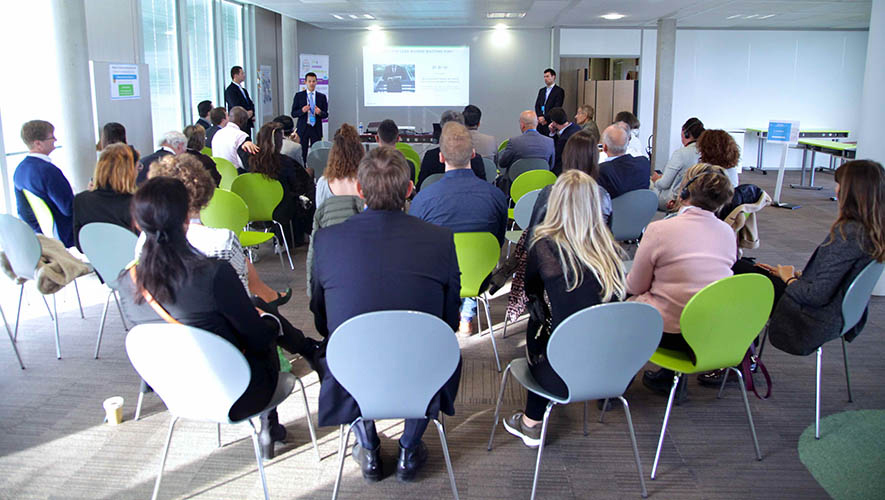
(113, 408)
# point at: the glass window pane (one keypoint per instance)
(201, 50)
(232, 38)
(161, 55)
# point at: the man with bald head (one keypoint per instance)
(530, 144)
(622, 172)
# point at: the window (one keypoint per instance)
(161, 55)
(200, 30)
(232, 38)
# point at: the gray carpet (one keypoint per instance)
(53, 443)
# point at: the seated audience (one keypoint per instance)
(291, 142)
(231, 141)
(382, 259)
(37, 174)
(388, 135)
(483, 144)
(218, 117)
(667, 185)
(339, 177)
(113, 133)
(530, 144)
(621, 172)
(634, 147)
(462, 202)
(203, 109)
(196, 138)
(431, 163)
(584, 118)
(172, 143)
(562, 129)
(110, 196)
(717, 147)
(573, 263)
(681, 255)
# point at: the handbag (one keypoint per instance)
(751, 363)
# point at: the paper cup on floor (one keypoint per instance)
(113, 408)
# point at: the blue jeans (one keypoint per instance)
(468, 309)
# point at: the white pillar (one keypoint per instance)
(76, 131)
(665, 68)
(869, 138)
(290, 63)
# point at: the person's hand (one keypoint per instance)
(771, 269)
(305, 108)
(260, 311)
(295, 137)
(655, 176)
(251, 148)
(542, 120)
(316, 110)
(671, 205)
(786, 273)
(251, 113)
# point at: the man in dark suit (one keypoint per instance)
(382, 259)
(550, 96)
(236, 95)
(203, 109)
(218, 117)
(530, 144)
(309, 108)
(562, 130)
(622, 172)
(172, 143)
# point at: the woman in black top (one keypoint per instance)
(112, 186)
(196, 141)
(573, 263)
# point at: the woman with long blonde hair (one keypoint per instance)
(573, 263)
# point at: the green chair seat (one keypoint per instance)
(206, 151)
(478, 254)
(228, 211)
(227, 170)
(262, 195)
(677, 361)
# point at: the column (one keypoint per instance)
(290, 63)
(665, 65)
(872, 106)
(76, 132)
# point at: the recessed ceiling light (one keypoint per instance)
(613, 16)
(734, 16)
(368, 16)
(336, 16)
(353, 16)
(515, 15)
(751, 16)
(374, 27)
(766, 17)
(496, 15)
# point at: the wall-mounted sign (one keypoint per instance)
(124, 81)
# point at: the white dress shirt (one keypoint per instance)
(226, 141)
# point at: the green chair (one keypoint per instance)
(405, 148)
(227, 170)
(411, 155)
(416, 166)
(478, 255)
(529, 181)
(503, 145)
(262, 195)
(227, 210)
(719, 323)
(206, 151)
(524, 165)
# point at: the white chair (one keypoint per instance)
(321, 145)
(317, 159)
(431, 179)
(199, 376)
(522, 214)
(388, 387)
(631, 213)
(491, 170)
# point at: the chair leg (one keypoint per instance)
(104, 315)
(654, 467)
(722, 385)
(342, 449)
(120, 310)
(12, 340)
(749, 414)
(285, 245)
(143, 389)
(602, 413)
(762, 342)
(445, 447)
(585, 418)
(79, 303)
(18, 312)
(485, 301)
(498, 405)
(635, 447)
(218, 434)
(541, 447)
(506, 320)
(57, 344)
(48, 309)
(817, 398)
(847, 376)
(259, 459)
(313, 435)
(163, 460)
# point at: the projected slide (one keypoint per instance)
(416, 76)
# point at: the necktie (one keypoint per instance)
(311, 117)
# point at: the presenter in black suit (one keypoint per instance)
(309, 108)
(237, 95)
(550, 96)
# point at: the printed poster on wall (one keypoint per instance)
(319, 64)
(124, 81)
(265, 88)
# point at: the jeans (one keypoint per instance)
(468, 309)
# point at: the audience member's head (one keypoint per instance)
(628, 118)
(269, 142)
(450, 116)
(237, 74)
(174, 140)
(581, 153)
(615, 140)
(528, 120)
(239, 116)
(112, 133)
(38, 136)
(115, 170)
(196, 137)
(558, 116)
(455, 146)
(860, 188)
(388, 133)
(288, 124)
(691, 130)
(383, 179)
(472, 115)
(203, 109)
(195, 177)
(574, 224)
(706, 186)
(585, 114)
(717, 147)
(345, 155)
(218, 117)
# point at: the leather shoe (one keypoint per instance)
(714, 378)
(410, 461)
(369, 461)
(661, 382)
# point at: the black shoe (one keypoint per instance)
(661, 382)
(410, 461)
(282, 298)
(277, 430)
(714, 378)
(370, 462)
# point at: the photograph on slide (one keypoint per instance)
(394, 77)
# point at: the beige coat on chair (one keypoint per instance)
(743, 220)
(56, 268)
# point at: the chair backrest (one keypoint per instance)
(198, 374)
(478, 254)
(413, 354)
(503, 145)
(858, 294)
(225, 210)
(430, 179)
(523, 165)
(317, 159)
(206, 151)
(321, 145)
(405, 148)
(522, 212)
(721, 320)
(530, 181)
(42, 213)
(598, 350)
(109, 247)
(261, 194)
(416, 166)
(491, 170)
(631, 212)
(20, 245)
(227, 170)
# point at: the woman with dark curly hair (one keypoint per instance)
(717, 147)
(339, 178)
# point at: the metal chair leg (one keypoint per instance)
(635, 448)
(79, 303)
(163, 460)
(12, 340)
(18, 312)
(498, 405)
(285, 245)
(313, 435)
(485, 302)
(847, 376)
(48, 309)
(749, 414)
(57, 344)
(259, 459)
(722, 385)
(602, 413)
(445, 448)
(104, 315)
(585, 418)
(654, 467)
(218, 434)
(141, 390)
(120, 310)
(541, 447)
(342, 449)
(817, 398)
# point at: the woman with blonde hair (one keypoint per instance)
(575, 263)
(108, 200)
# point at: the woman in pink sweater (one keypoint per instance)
(681, 255)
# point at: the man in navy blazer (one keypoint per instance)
(309, 108)
(549, 96)
(236, 95)
(382, 259)
(563, 130)
(622, 172)
(530, 144)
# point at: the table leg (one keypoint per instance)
(811, 183)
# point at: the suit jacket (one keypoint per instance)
(625, 173)
(204, 123)
(233, 97)
(557, 97)
(301, 126)
(430, 165)
(49, 183)
(146, 164)
(374, 261)
(210, 133)
(559, 141)
(530, 144)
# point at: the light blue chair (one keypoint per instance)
(389, 387)
(430, 179)
(522, 214)
(317, 159)
(321, 145)
(524, 165)
(631, 213)
(490, 169)
(597, 352)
